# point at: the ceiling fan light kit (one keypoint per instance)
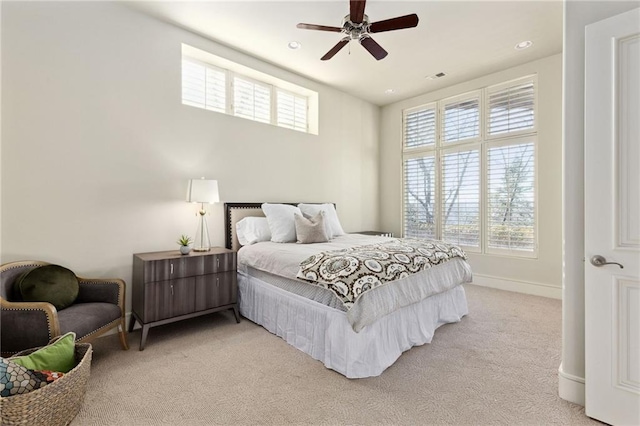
(356, 26)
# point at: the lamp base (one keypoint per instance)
(202, 241)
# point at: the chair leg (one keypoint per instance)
(123, 335)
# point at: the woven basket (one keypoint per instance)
(55, 404)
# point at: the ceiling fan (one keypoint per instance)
(356, 26)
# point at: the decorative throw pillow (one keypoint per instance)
(281, 222)
(251, 230)
(49, 283)
(334, 229)
(16, 379)
(311, 230)
(57, 356)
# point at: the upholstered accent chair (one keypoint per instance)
(98, 308)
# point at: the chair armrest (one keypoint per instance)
(27, 325)
(109, 290)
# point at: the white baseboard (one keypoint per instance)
(518, 286)
(570, 387)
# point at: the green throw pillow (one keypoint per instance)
(49, 283)
(58, 356)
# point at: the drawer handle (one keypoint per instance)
(217, 262)
(172, 268)
(217, 281)
(172, 289)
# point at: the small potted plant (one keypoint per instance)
(184, 242)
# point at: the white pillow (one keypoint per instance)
(281, 221)
(251, 230)
(334, 229)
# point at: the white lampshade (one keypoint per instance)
(203, 191)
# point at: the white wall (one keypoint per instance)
(577, 15)
(538, 276)
(97, 148)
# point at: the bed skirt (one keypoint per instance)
(325, 334)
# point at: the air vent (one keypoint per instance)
(435, 76)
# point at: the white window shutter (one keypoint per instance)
(420, 127)
(460, 197)
(291, 110)
(251, 100)
(511, 108)
(216, 90)
(511, 197)
(194, 77)
(419, 197)
(460, 119)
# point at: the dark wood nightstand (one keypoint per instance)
(376, 233)
(169, 287)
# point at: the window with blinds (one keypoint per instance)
(242, 92)
(292, 111)
(420, 127)
(511, 107)
(460, 197)
(419, 197)
(203, 86)
(251, 100)
(511, 197)
(460, 119)
(469, 172)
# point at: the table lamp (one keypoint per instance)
(202, 191)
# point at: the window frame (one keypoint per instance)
(483, 143)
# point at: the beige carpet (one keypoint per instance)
(498, 366)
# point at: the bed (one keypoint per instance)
(359, 341)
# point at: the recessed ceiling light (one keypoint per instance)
(390, 91)
(294, 45)
(523, 45)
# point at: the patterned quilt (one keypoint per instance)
(351, 272)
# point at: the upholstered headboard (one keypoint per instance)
(234, 212)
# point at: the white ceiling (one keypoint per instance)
(464, 39)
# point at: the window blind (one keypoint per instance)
(203, 86)
(251, 100)
(420, 127)
(461, 120)
(460, 197)
(512, 108)
(511, 204)
(419, 197)
(292, 111)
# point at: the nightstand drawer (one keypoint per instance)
(213, 290)
(222, 262)
(162, 270)
(166, 299)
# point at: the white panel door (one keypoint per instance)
(612, 219)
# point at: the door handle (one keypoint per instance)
(598, 261)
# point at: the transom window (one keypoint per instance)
(469, 166)
(237, 90)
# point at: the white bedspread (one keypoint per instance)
(284, 260)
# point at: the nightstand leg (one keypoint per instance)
(235, 312)
(132, 323)
(143, 339)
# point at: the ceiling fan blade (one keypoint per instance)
(356, 11)
(330, 54)
(374, 48)
(318, 27)
(399, 23)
